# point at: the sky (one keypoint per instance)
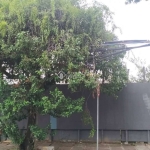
(133, 19)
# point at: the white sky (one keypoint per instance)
(133, 19)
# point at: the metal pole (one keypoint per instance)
(97, 121)
(98, 94)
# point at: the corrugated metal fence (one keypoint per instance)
(124, 119)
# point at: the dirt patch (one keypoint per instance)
(7, 146)
(78, 146)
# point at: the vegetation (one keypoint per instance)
(40, 38)
(133, 1)
(143, 71)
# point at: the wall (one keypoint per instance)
(124, 119)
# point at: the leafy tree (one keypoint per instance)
(143, 71)
(133, 1)
(40, 38)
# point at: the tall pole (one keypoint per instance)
(118, 51)
(98, 94)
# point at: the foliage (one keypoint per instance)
(39, 133)
(133, 1)
(40, 38)
(114, 76)
(143, 71)
(87, 119)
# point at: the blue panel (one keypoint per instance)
(53, 122)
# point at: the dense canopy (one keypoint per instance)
(40, 38)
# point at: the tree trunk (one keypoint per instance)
(28, 143)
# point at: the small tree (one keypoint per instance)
(38, 39)
(143, 71)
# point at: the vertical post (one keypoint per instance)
(102, 136)
(120, 136)
(97, 121)
(78, 135)
(98, 94)
(0, 136)
(148, 137)
(126, 137)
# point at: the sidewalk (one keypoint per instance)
(82, 146)
(90, 146)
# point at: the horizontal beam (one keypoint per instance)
(120, 50)
(127, 42)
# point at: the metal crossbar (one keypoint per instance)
(104, 52)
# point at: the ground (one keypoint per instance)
(81, 146)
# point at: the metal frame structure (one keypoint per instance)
(121, 47)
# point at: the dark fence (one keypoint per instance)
(124, 119)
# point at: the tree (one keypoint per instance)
(143, 71)
(40, 38)
(133, 1)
